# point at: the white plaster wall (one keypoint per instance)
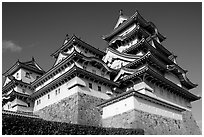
(172, 78)
(21, 108)
(126, 46)
(19, 74)
(56, 76)
(118, 107)
(94, 89)
(6, 81)
(32, 76)
(132, 102)
(66, 92)
(162, 94)
(108, 58)
(128, 30)
(60, 58)
(98, 72)
(153, 108)
(89, 68)
(12, 103)
(20, 90)
(110, 55)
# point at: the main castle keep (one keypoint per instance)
(135, 83)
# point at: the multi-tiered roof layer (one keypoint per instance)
(16, 90)
(135, 50)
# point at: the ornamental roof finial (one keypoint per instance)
(121, 12)
(33, 59)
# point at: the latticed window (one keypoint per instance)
(84, 67)
(90, 85)
(27, 75)
(94, 71)
(23, 90)
(99, 88)
(102, 73)
(161, 91)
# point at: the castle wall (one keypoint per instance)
(163, 94)
(78, 108)
(132, 102)
(65, 110)
(154, 124)
(69, 89)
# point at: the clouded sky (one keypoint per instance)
(38, 29)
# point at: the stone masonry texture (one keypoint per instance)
(65, 110)
(77, 109)
(153, 124)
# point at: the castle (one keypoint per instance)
(135, 83)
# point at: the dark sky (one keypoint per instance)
(38, 29)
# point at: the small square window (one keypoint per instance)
(90, 85)
(23, 90)
(94, 71)
(102, 73)
(99, 88)
(84, 67)
(27, 75)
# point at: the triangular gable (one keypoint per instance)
(7, 80)
(60, 58)
(121, 19)
(122, 73)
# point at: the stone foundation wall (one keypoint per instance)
(153, 124)
(78, 108)
(65, 110)
(190, 124)
(88, 114)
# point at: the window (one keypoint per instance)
(17, 75)
(161, 91)
(48, 96)
(94, 71)
(57, 91)
(84, 67)
(28, 104)
(23, 90)
(38, 101)
(99, 88)
(27, 75)
(90, 85)
(37, 77)
(102, 73)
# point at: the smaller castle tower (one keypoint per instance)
(16, 89)
(78, 81)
